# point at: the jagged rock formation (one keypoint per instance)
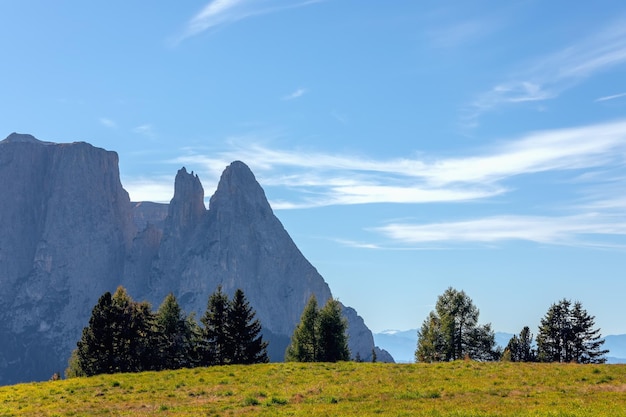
(70, 233)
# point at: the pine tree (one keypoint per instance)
(133, 335)
(321, 334)
(587, 340)
(176, 336)
(94, 351)
(452, 332)
(520, 349)
(566, 334)
(245, 342)
(431, 343)
(332, 339)
(215, 339)
(304, 344)
(119, 337)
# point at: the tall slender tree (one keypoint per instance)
(175, 336)
(304, 343)
(332, 339)
(215, 341)
(245, 342)
(94, 351)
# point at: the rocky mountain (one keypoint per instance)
(70, 233)
(66, 227)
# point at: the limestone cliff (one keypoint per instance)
(70, 233)
(66, 228)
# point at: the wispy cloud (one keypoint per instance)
(296, 94)
(612, 97)
(320, 179)
(553, 74)
(460, 33)
(221, 12)
(577, 230)
(108, 123)
(145, 130)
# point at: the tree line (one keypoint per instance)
(451, 331)
(127, 336)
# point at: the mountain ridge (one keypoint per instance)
(71, 233)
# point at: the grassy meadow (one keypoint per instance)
(462, 388)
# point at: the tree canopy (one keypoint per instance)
(321, 334)
(452, 332)
(567, 334)
(126, 336)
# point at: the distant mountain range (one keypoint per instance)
(401, 344)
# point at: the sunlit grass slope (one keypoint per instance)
(460, 388)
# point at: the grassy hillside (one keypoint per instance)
(345, 389)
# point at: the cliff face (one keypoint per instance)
(67, 227)
(70, 234)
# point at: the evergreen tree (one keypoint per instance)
(321, 334)
(215, 340)
(520, 347)
(304, 343)
(452, 332)
(119, 337)
(94, 351)
(245, 342)
(431, 343)
(176, 336)
(332, 339)
(133, 337)
(566, 334)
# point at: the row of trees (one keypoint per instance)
(126, 336)
(451, 331)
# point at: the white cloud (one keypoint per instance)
(550, 75)
(564, 230)
(108, 123)
(612, 97)
(322, 179)
(221, 12)
(145, 130)
(158, 189)
(296, 94)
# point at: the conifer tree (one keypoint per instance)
(566, 334)
(304, 343)
(452, 332)
(119, 337)
(94, 351)
(176, 336)
(245, 342)
(215, 340)
(520, 349)
(321, 334)
(332, 339)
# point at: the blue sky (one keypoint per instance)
(406, 146)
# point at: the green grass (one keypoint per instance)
(459, 389)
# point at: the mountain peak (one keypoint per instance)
(238, 188)
(23, 138)
(187, 206)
